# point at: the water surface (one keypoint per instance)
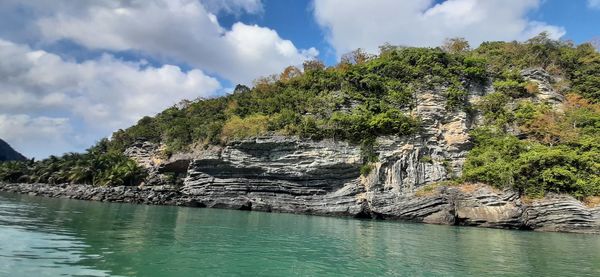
(54, 237)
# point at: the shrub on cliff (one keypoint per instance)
(533, 168)
(562, 153)
(250, 126)
(321, 102)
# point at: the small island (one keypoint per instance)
(505, 135)
(300, 138)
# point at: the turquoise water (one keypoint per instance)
(54, 237)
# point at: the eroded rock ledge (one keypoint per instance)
(469, 205)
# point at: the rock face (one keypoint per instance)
(278, 174)
(546, 92)
(469, 205)
(7, 153)
(148, 155)
(157, 195)
(561, 213)
(289, 174)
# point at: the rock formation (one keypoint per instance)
(289, 174)
(7, 153)
(294, 175)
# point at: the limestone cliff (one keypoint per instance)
(289, 174)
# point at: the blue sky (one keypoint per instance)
(581, 21)
(72, 72)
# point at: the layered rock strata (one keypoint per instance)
(471, 205)
(289, 174)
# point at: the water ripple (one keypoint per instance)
(52, 237)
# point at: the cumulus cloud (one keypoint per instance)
(355, 24)
(47, 98)
(36, 136)
(52, 103)
(181, 30)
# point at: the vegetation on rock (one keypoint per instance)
(561, 152)
(363, 97)
(366, 96)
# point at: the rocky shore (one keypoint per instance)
(467, 205)
(123, 194)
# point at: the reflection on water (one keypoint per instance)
(31, 247)
(50, 237)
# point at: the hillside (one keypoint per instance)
(7, 153)
(528, 110)
(373, 135)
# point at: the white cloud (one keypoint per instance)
(352, 24)
(180, 30)
(594, 4)
(36, 136)
(81, 101)
(49, 98)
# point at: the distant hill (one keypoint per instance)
(7, 153)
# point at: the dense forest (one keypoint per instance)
(366, 96)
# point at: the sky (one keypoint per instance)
(72, 72)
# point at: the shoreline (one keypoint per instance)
(474, 216)
(120, 194)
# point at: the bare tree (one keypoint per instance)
(456, 45)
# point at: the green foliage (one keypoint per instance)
(14, 171)
(368, 122)
(426, 159)
(562, 154)
(236, 127)
(493, 108)
(475, 68)
(533, 168)
(98, 167)
(366, 96)
(399, 95)
(582, 67)
(558, 169)
(457, 98)
(368, 156)
(491, 160)
(527, 111)
(578, 119)
(367, 151)
(363, 97)
(366, 169)
(579, 64)
(511, 88)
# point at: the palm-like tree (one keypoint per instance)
(98, 166)
(81, 173)
(13, 171)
